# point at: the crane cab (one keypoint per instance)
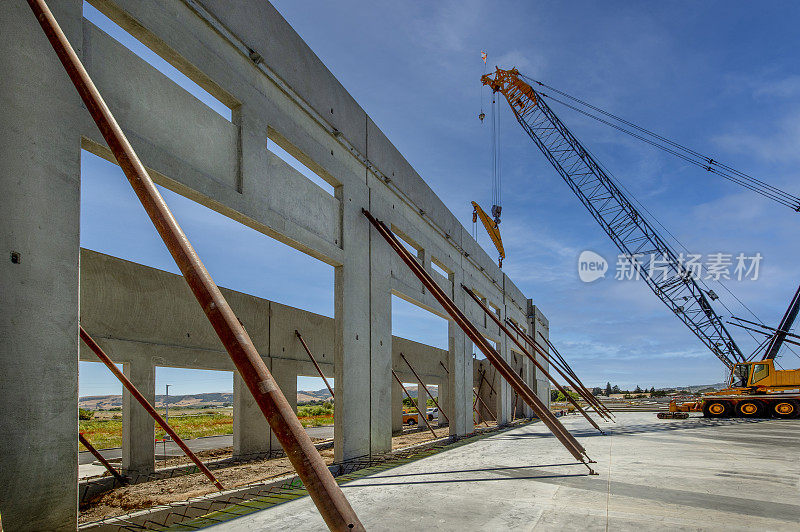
(763, 376)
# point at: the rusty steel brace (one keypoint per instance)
(81, 438)
(568, 375)
(527, 353)
(97, 350)
(559, 431)
(597, 403)
(563, 369)
(579, 389)
(575, 382)
(474, 409)
(491, 385)
(423, 385)
(313, 360)
(478, 396)
(310, 467)
(422, 415)
(483, 403)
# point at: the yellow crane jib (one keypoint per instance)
(519, 94)
(492, 229)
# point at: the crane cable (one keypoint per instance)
(649, 213)
(481, 116)
(687, 154)
(496, 167)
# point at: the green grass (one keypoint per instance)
(104, 434)
(315, 410)
(316, 421)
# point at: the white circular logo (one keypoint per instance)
(591, 266)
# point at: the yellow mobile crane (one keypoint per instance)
(755, 388)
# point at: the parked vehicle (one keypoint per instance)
(410, 418)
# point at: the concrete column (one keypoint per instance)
(459, 380)
(250, 427)
(538, 323)
(397, 408)
(489, 405)
(363, 335)
(505, 395)
(285, 373)
(380, 320)
(137, 425)
(39, 243)
(529, 374)
(443, 400)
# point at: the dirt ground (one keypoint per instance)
(148, 494)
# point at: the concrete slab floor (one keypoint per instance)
(693, 474)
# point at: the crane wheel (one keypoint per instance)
(750, 409)
(785, 409)
(717, 409)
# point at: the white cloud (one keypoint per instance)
(788, 87)
(781, 146)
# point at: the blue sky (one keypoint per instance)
(720, 77)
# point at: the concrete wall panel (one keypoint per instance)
(160, 111)
(246, 55)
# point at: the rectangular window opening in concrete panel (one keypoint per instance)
(200, 411)
(477, 354)
(415, 390)
(311, 389)
(409, 243)
(189, 79)
(100, 413)
(315, 406)
(440, 268)
(288, 153)
(415, 323)
(238, 257)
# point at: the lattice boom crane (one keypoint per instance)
(630, 231)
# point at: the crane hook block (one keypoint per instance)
(496, 210)
(482, 115)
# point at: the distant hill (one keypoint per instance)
(211, 400)
(105, 402)
(698, 387)
(306, 396)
